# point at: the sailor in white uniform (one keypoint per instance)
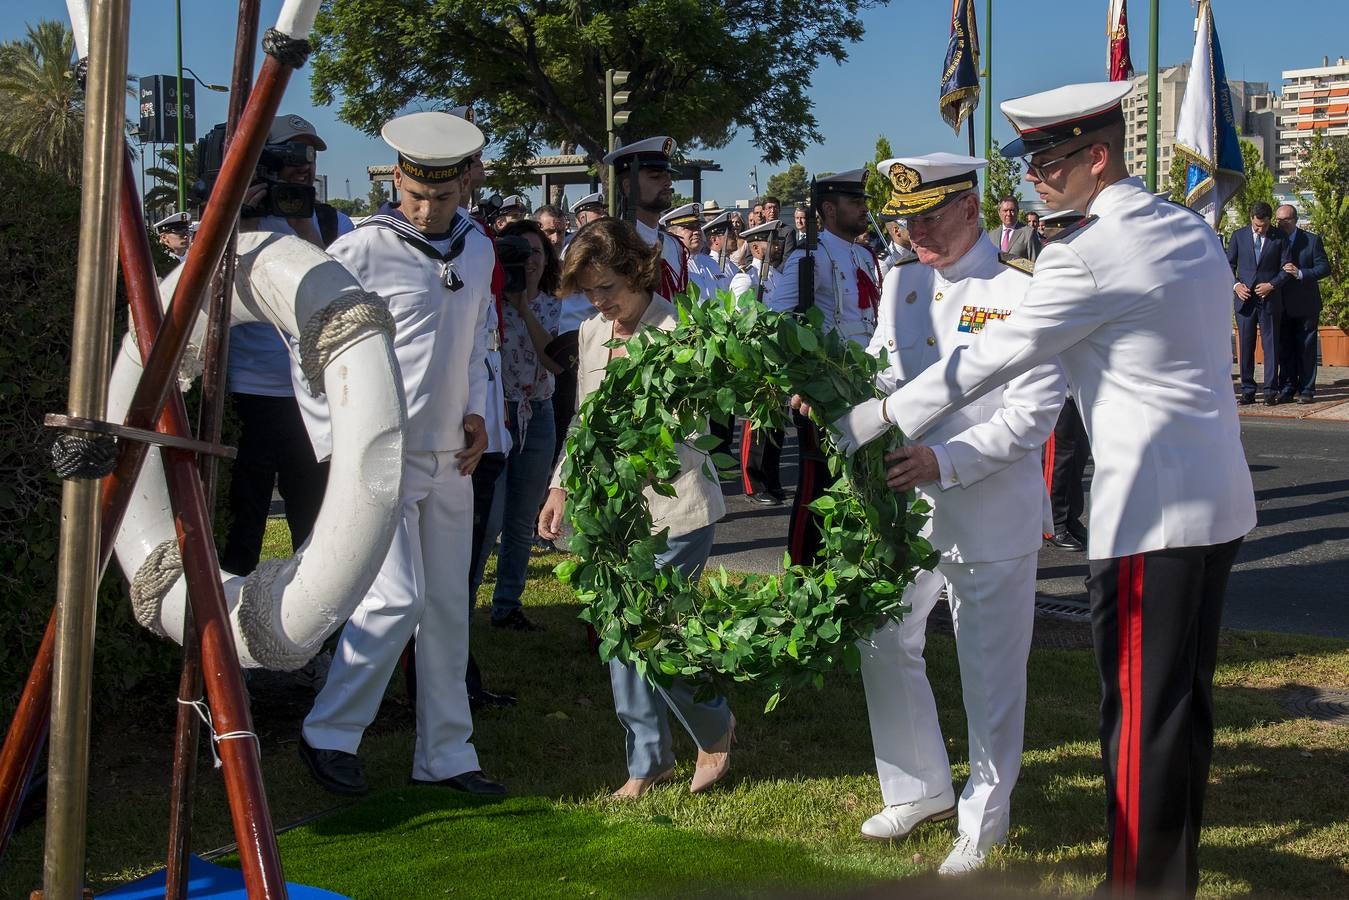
(1135, 304)
(175, 234)
(685, 223)
(760, 240)
(434, 268)
(643, 172)
(716, 241)
(981, 474)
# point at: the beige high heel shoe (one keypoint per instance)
(714, 764)
(636, 787)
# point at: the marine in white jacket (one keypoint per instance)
(434, 268)
(1135, 305)
(981, 473)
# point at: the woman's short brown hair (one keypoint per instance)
(612, 244)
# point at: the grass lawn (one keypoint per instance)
(803, 781)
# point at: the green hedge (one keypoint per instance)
(39, 230)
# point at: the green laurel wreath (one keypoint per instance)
(786, 631)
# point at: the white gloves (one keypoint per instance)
(860, 426)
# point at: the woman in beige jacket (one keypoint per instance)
(618, 272)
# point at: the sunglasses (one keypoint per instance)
(1039, 170)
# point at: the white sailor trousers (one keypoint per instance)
(422, 588)
(993, 609)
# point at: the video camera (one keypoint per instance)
(513, 253)
(283, 198)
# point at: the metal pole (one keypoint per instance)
(182, 189)
(988, 83)
(608, 119)
(91, 354)
(184, 779)
(1152, 98)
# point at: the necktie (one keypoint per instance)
(1006, 238)
(1259, 245)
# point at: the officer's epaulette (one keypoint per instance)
(1020, 263)
(906, 260)
(1072, 231)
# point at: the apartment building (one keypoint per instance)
(1314, 101)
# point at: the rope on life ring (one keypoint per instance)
(151, 583)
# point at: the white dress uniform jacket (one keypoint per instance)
(435, 328)
(991, 500)
(1136, 306)
(838, 264)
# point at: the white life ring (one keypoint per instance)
(282, 612)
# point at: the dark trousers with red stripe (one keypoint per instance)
(1065, 459)
(1154, 619)
(761, 459)
(803, 532)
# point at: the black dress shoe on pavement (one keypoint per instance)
(517, 620)
(778, 494)
(1066, 541)
(1271, 400)
(336, 770)
(763, 498)
(474, 782)
(1305, 398)
(1246, 400)
(1077, 530)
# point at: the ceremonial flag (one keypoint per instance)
(1118, 65)
(960, 72)
(1206, 135)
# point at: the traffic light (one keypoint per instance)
(613, 118)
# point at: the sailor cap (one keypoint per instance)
(433, 146)
(179, 221)
(688, 216)
(1049, 118)
(512, 202)
(853, 182)
(919, 184)
(650, 153)
(719, 224)
(589, 201)
(768, 231)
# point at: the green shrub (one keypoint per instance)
(39, 228)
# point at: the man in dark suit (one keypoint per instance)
(1306, 265)
(1257, 255)
(796, 236)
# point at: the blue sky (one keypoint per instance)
(888, 85)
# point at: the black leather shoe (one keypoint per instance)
(474, 782)
(1305, 398)
(516, 620)
(1271, 400)
(336, 770)
(489, 700)
(1246, 399)
(1077, 530)
(763, 498)
(778, 494)
(1066, 541)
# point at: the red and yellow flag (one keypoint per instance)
(1118, 65)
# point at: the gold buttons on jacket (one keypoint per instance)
(937, 296)
(931, 342)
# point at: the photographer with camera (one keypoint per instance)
(274, 445)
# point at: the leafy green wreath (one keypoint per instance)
(785, 631)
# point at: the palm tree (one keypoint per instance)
(43, 101)
(162, 199)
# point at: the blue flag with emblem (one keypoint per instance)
(1206, 134)
(960, 70)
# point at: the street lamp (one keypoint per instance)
(218, 88)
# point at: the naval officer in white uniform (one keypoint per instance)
(1135, 304)
(435, 269)
(981, 473)
(644, 173)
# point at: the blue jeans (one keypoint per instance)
(515, 508)
(643, 709)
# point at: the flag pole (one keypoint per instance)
(1152, 97)
(988, 83)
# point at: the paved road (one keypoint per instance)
(1293, 571)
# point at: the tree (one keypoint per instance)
(534, 70)
(1001, 179)
(377, 196)
(353, 208)
(790, 187)
(162, 199)
(1259, 184)
(878, 182)
(43, 102)
(1324, 176)
(1177, 178)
